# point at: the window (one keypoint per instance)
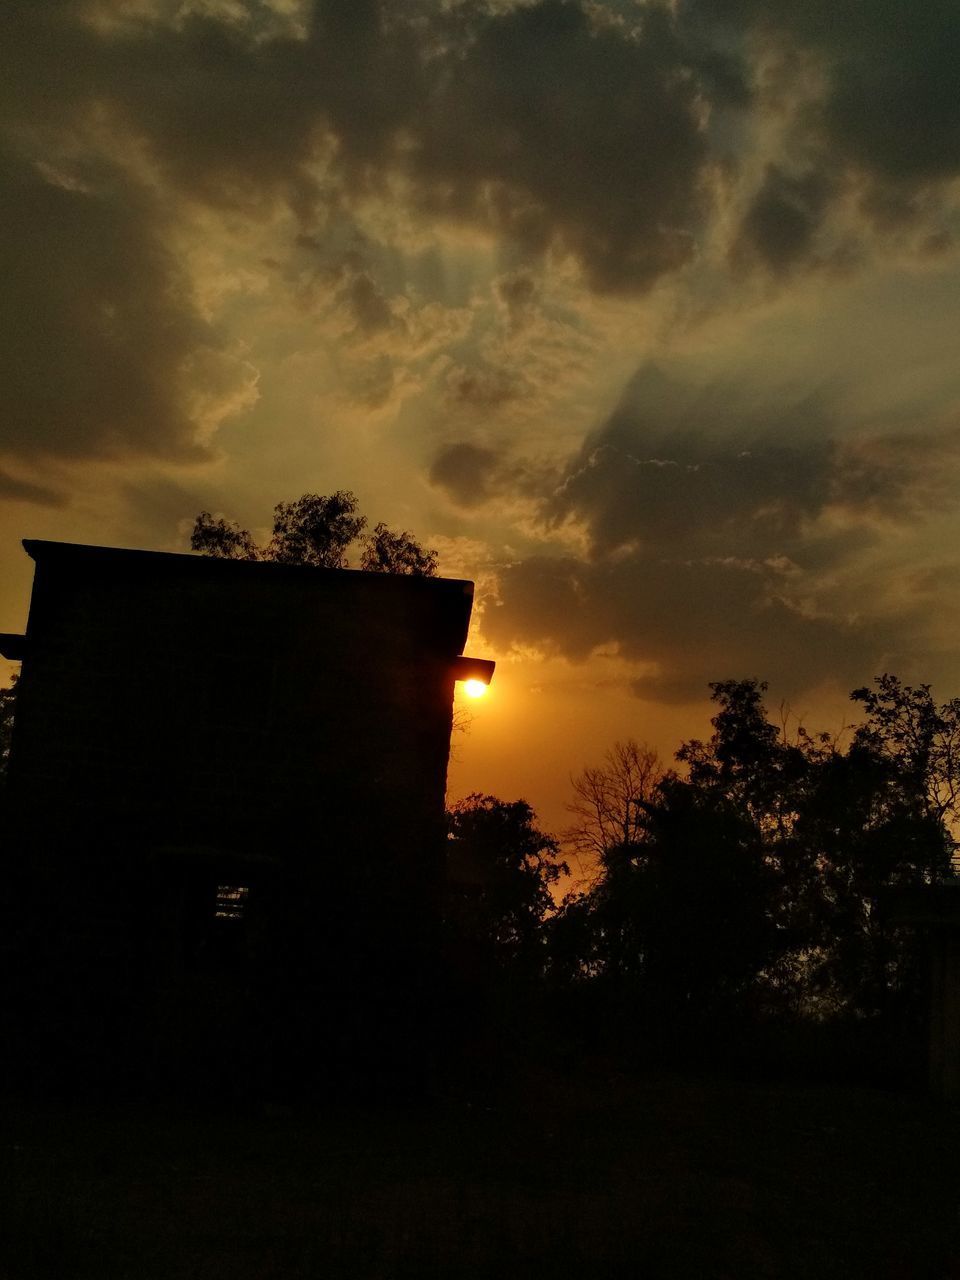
(231, 901)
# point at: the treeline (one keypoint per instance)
(748, 891)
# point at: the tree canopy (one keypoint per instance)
(609, 808)
(758, 869)
(317, 530)
(512, 866)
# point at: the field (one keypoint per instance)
(591, 1175)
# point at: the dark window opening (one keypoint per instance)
(231, 901)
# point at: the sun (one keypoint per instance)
(474, 688)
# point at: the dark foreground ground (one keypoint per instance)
(590, 1177)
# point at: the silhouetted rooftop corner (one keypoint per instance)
(12, 645)
(42, 549)
(451, 597)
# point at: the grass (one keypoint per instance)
(588, 1175)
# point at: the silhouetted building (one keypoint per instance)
(225, 825)
(934, 911)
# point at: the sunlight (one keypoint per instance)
(474, 688)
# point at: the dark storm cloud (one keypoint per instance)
(539, 124)
(355, 289)
(780, 226)
(707, 467)
(891, 103)
(697, 468)
(759, 500)
(561, 132)
(711, 559)
(887, 119)
(726, 500)
(516, 292)
(483, 388)
(581, 130)
(698, 620)
(543, 125)
(13, 490)
(472, 474)
(892, 106)
(466, 472)
(96, 323)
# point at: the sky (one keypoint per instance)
(645, 315)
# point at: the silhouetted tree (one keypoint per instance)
(747, 759)
(8, 698)
(316, 530)
(223, 539)
(388, 552)
(701, 890)
(877, 816)
(761, 872)
(677, 919)
(749, 765)
(918, 740)
(511, 865)
(611, 801)
(837, 828)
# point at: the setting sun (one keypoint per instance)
(475, 688)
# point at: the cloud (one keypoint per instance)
(561, 133)
(891, 106)
(472, 475)
(779, 229)
(710, 498)
(14, 490)
(482, 388)
(99, 331)
(697, 620)
(869, 123)
(711, 468)
(466, 472)
(366, 303)
(588, 139)
(540, 123)
(713, 551)
(516, 292)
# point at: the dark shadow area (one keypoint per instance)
(579, 1173)
(268, 1009)
(223, 826)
